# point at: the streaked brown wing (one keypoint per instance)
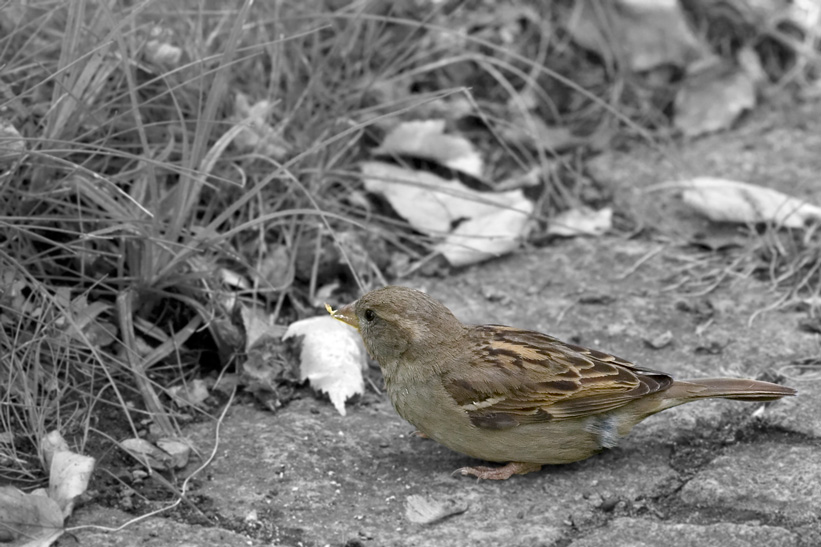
(526, 376)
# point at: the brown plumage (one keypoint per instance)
(510, 395)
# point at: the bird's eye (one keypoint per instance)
(369, 315)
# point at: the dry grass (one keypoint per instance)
(136, 219)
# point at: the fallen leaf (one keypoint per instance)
(331, 359)
(427, 139)
(422, 510)
(256, 134)
(258, 327)
(488, 223)
(33, 518)
(192, 393)
(723, 200)
(163, 53)
(52, 443)
(276, 268)
(490, 234)
(147, 454)
(534, 132)
(68, 478)
(264, 369)
(83, 322)
(581, 221)
(37, 518)
(419, 197)
(638, 34)
(178, 450)
(712, 96)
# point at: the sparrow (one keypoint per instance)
(504, 394)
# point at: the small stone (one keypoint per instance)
(660, 341)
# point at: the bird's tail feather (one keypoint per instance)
(739, 389)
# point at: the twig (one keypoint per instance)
(639, 262)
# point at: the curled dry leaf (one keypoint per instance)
(68, 478)
(488, 223)
(69, 472)
(163, 53)
(52, 443)
(331, 359)
(495, 232)
(474, 225)
(148, 454)
(723, 200)
(427, 139)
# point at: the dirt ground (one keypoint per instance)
(714, 473)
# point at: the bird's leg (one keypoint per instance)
(499, 473)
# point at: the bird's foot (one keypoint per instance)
(499, 473)
(420, 435)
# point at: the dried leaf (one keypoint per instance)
(493, 232)
(332, 357)
(68, 478)
(417, 196)
(163, 53)
(488, 223)
(52, 443)
(723, 200)
(33, 518)
(712, 97)
(638, 34)
(258, 327)
(534, 132)
(147, 454)
(192, 393)
(69, 472)
(83, 323)
(178, 450)
(427, 139)
(256, 134)
(277, 268)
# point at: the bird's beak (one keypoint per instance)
(346, 314)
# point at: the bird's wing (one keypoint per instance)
(525, 376)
